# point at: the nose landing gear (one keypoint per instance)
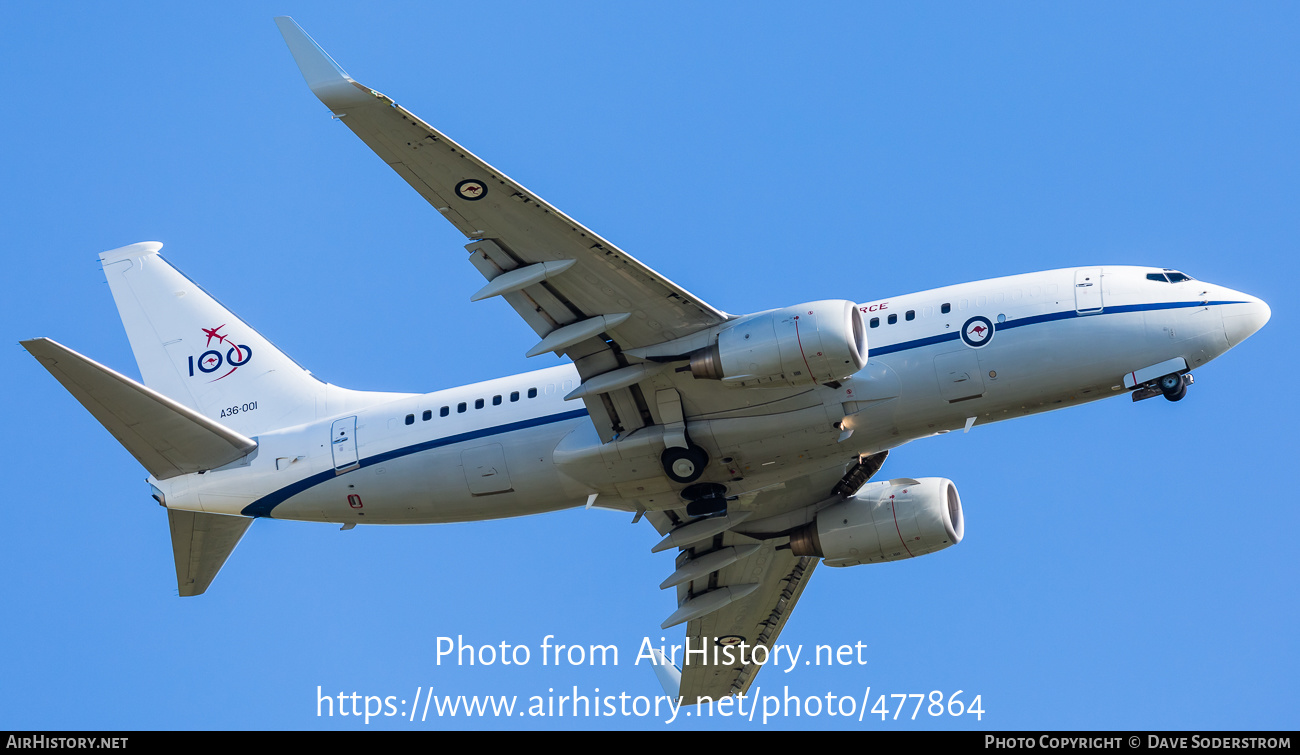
(1173, 387)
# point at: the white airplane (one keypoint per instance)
(747, 441)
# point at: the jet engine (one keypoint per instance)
(887, 521)
(807, 344)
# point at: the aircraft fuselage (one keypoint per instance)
(988, 350)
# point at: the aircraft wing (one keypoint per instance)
(583, 296)
(768, 577)
(757, 619)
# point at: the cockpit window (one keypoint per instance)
(1168, 276)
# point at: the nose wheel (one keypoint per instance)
(1174, 387)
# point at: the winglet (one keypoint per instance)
(670, 677)
(327, 80)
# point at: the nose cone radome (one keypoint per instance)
(1240, 321)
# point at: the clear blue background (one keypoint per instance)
(1125, 565)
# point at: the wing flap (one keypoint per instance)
(201, 543)
(168, 439)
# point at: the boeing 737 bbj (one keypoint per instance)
(747, 441)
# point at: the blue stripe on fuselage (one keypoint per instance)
(1050, 317)
(264, 505)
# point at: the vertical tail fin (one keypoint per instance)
(192, 349)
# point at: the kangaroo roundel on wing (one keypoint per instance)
(471, 189)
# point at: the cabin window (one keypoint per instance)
(444, 411)
(410, 419)
(496, 401)
(893, 319)
(428, 415)
(478, 403)
(875, 322)
(946, 308)
(532, 393)
(514, 396)
(461, 407)
(911, 315)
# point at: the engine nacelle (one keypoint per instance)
(806, 344)
(886, 521)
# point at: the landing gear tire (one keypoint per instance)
(706, 499)
(1174, 387)
(684, 464)
(707, 506)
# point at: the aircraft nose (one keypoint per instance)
(1240, 321)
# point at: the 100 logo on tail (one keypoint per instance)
(212, 360)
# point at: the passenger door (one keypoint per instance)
(343, 444)
(1087, 290)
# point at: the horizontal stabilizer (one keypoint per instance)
(167, 438)
(201, 544)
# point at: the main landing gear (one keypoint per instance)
(684, 464)
(706, 499)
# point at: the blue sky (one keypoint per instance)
(1125, 565)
